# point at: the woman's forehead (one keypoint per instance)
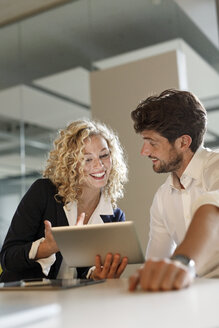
(95, 141)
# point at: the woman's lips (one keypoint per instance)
(98, 176)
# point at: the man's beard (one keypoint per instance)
(172, 165)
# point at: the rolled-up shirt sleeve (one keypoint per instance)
(45, 263)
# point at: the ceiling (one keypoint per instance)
(15, 10)
(46, 58)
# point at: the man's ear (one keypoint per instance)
(183, 142)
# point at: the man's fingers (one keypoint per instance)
(146, 274)
(156, 271)
(134, 281)
(161, 275)
(183, 279)
(80, 219)
(169, 277)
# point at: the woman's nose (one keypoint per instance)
(98, 162)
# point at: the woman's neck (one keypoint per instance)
(89, 197)
(87, 203)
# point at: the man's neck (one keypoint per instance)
(187, 157)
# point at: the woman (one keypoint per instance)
(83, 179)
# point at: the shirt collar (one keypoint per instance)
(104, 207)
(192, 171)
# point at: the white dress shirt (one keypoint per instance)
(104, 207)
(173, 208)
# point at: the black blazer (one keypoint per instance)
(27, 225)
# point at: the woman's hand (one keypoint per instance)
(48, 246)
(112, 268)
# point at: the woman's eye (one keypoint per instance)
(88, 160)
(104, 155)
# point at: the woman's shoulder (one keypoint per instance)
(43, 182)
(42, 185)
(119, 214)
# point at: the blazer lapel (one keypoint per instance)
(61, 217)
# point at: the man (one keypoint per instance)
(184, 226)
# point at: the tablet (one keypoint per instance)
(46, 284)
(80, 244)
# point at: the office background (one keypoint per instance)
(64, 60)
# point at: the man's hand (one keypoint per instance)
(113, 267)
(161, 275)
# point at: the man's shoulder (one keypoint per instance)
(208, 154)
(210, 158)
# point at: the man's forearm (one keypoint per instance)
(202, 236)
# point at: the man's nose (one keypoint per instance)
(145, 151)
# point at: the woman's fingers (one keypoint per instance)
(49, 239)
(101, 271)
(112, 268)
(120, 267)
(107, 265)
(98, 264)
(48, 232)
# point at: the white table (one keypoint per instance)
(110, 304)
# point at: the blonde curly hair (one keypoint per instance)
(65, 162)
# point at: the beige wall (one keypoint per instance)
(115, 92)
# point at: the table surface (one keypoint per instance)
(110, 304)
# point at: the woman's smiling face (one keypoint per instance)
(98, 162)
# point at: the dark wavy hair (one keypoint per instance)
(172, 114)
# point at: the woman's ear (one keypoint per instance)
(183, 142)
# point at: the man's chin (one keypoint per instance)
(158, 169)
(155, 168)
